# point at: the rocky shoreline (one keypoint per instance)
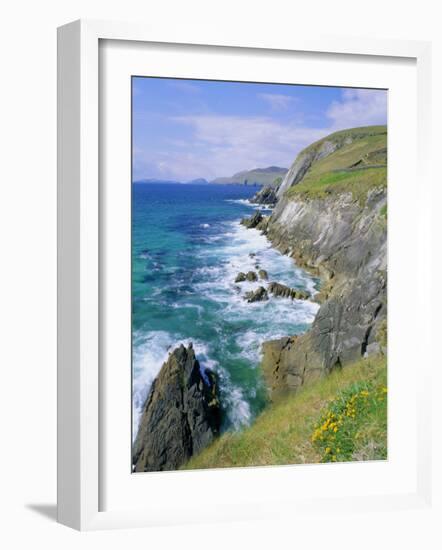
(336, 236)
(343, 241)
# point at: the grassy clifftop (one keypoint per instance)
(358, 164)
(262, 176)
(340, 417)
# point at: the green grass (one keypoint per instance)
(261, 176)
(354, 167)
(358, 182)
(353, 425)
(283, 433)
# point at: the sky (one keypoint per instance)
(188, 129)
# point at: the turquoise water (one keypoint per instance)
(187, 248)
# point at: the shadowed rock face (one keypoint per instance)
(181, 415)
(267, 195)
(252, 222)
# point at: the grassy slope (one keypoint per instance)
(260, 176)
(356, 167)
(283, 433)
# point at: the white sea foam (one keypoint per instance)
(254, 205)
(244, 250)
(205, 225)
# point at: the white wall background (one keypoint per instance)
(28, 266)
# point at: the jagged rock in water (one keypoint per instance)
(259, 295)
(251, 276)
(253, 221)
(240, 277)
(267, 195)
(283, 291)
(263, 274)
(181, 415)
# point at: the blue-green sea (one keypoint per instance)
(187, 248)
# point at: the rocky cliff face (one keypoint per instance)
(303, 163)
(343, 239)
(267, 196)
(181, 415)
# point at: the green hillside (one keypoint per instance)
(357, 165)
(338, 418)
(261, 176)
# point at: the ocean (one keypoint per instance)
(187, 248)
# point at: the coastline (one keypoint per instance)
(226, 247)
(336, 233)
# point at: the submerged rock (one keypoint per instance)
(181, 415)
(258, 295)
(240, 277)
(251, 276)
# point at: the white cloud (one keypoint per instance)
(223, 145)
(220, 145)
(278, 102)
(359, 108)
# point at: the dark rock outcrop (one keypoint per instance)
(267, 195)
(240, 277)
(251, 276)
(257, 221)
(263, 274)
(259, 295)
(253, 221)
(181, 415)
(283, 291)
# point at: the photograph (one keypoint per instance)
(258, 274)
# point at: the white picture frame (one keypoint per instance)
(79, 275)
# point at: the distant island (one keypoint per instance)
(259, 176)
(270, 176)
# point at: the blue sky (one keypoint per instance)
(186, 129)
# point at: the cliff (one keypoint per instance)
(181, 415)
(331, 218)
